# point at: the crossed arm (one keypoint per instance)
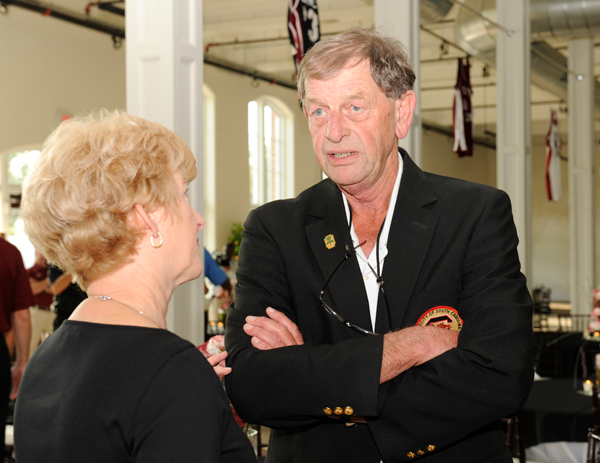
(402, 349)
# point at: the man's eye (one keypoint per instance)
(318, 112)
(354, 108)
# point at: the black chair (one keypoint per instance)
(546, 354)
(593, 445)
(541, 307)
(513, 432)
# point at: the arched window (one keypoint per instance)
(14, 166)
(270, 148)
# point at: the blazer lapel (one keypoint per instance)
(411, 231)
(345, 292)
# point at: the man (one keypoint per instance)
(67, 295)
(42, 316)
(15, 300)
(365, 269)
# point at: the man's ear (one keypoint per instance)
(143, 220)
(405, 107)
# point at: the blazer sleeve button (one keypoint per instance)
(410, 455)
(338, 410)
(430, 448)
(420, 452)
(348, 411)
(327, 411)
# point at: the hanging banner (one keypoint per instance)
(462, 111)
(553, 146)
(303, 27)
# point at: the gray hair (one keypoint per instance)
(390, 66)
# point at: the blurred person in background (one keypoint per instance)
(15, 300)
(67, 294)
(107, 202)
(217, 277)
(42, 316)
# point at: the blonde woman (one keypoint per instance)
(107, 202)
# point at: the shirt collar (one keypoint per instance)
(388, 219)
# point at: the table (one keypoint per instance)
(555, 412)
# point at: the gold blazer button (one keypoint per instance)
(348, 410)
(410, 455)
(327, 411)
(338, 410)
(430, 448)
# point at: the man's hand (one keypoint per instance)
(275, 331)
(413, 346)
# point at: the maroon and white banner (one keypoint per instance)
(553, 146)
(462, 111)
(303, 27)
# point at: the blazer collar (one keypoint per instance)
(412, 228)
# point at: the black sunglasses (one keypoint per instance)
(336, 315)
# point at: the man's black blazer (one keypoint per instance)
(452, 244)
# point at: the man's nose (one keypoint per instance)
(336, 127)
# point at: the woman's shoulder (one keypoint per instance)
(141, 344)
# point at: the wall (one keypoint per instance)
(439, 158)
(232, 93)
(50, 67)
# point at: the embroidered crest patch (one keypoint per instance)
(443, 317)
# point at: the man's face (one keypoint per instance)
(354, 126)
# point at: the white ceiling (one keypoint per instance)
(254, 33)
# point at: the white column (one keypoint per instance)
(513, 140)
(164, 84)
(581, 174)
(400, 19)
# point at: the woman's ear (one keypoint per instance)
(143, 220)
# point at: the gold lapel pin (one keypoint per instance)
(330, 241)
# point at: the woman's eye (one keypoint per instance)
(319, 112)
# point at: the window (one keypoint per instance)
(210, 172)
(15, 165)
(270, 125)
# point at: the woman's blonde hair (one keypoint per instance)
(390, 67)
(92, 170)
